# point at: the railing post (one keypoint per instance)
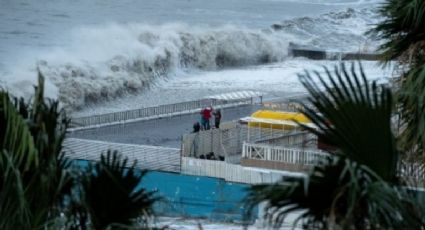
(244, 150)
(268, 153)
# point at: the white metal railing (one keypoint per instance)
(232, 172)
(153, 112)
(411, 170)
(282, 154)
(148, 157)
(228, 142)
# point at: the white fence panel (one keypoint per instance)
(282, 154)
(228, 142)
(148, 157)
(231, 172)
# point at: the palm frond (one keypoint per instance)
(15, 135)
(403, 29)
(112, 193)
(412, 100)
(13, 206)
(355, 116)
(349, 190)
(18, 156)
(338, 194)
(30, 141)
(403, 34)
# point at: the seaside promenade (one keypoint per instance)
(165, 132)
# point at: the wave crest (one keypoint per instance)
(103, 62)
(131, 61)
(334, 31)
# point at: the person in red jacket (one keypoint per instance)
(205, 117)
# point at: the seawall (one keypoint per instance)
(316, 54)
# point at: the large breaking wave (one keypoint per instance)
(113, 60)
(118, 59)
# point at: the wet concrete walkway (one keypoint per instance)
(165, 132)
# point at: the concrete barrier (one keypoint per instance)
(316, 54)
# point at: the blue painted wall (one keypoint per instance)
(195, 196)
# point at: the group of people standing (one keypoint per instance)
(206, 115)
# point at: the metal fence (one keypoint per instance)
(227, 142)
(232, 172)
(283, 154)
(413, 173)
(155, 112)
(148, 157)
(252, 175)
(169, 159)
(288, 106)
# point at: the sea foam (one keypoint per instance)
(109, 61)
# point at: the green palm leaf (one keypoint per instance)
(403, 33)
(355, 116)
(34, 175)
(339, 193)
(112, 193)
(411, 96)
(18, 155)
(403, 29)
(15, 136)
(350, 189)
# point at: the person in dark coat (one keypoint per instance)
(196, 127)
(217, 118)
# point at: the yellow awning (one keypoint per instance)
(276, 119)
